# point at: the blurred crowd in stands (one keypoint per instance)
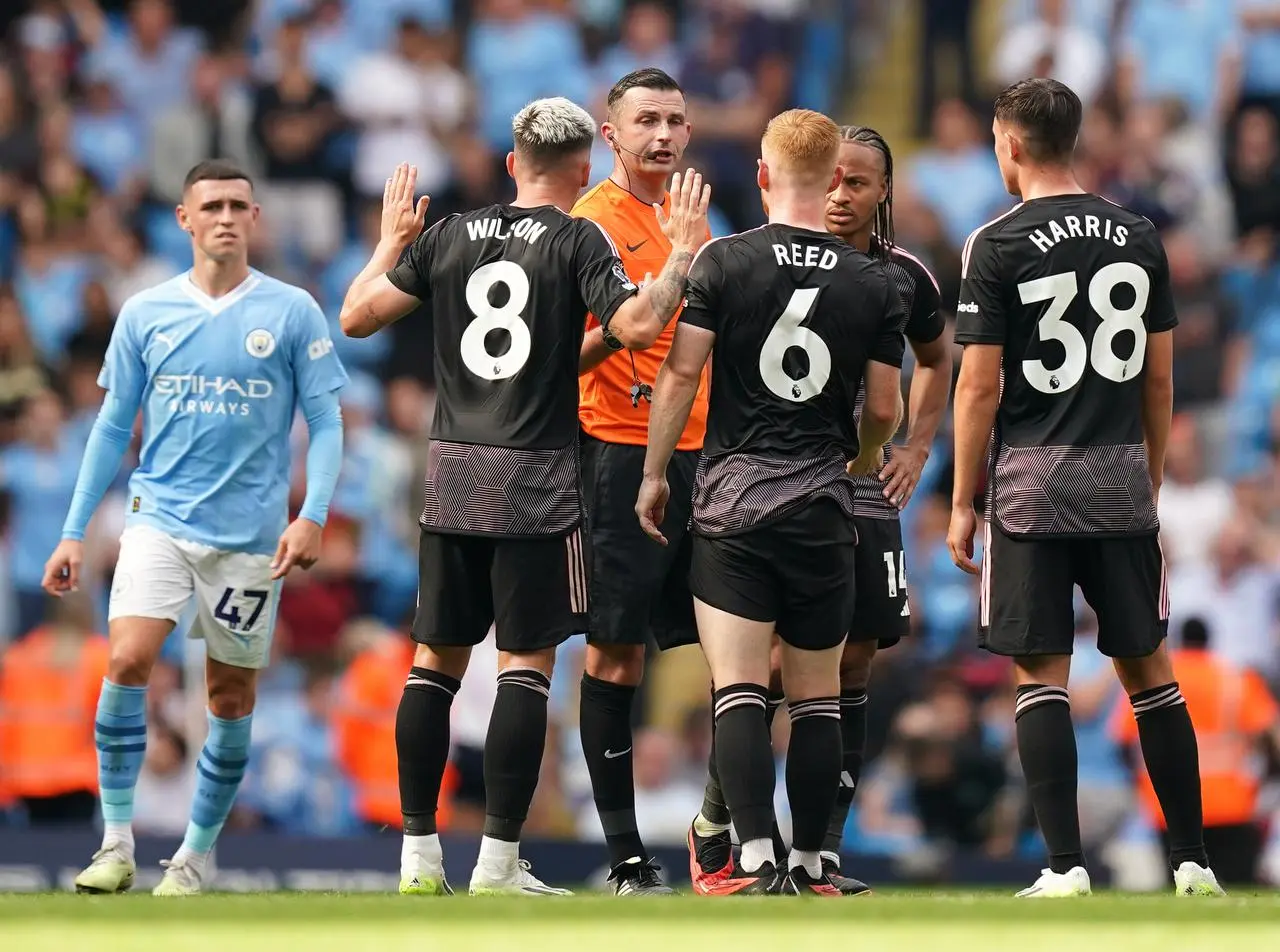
(105, 105)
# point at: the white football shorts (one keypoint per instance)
(236, 599)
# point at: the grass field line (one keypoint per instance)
(914, 908)
(633, 936)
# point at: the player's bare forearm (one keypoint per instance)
(666, 293)
(977, 398)
(365, 309)
(1157, 418)
(640, 321)
(881, 408)
(594, 350)
(930, 391)
(1157, 402)
(875, 432)
(673, 395)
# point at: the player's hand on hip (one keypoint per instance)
(964, 523)
(401, 219)
(868, 462)
(651, 506)
(686, 226)
(299, 545)
(62, 571)
(901, 474)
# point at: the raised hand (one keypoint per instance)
(686, 226)
(402, 220)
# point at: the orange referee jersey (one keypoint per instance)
(605, 391)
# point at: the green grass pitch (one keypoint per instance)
(893, 921)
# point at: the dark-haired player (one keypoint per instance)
(637, 588)
(509, 288)
(860, 210)
(1066, 314)
(219, 361)
(800, 324)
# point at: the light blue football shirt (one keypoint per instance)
(218, 381)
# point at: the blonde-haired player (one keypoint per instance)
(798, 320)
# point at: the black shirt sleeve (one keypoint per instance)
(889, 344)
(1162, 313)
(980, 315)
(412, 273)
(602, 279)
(703, 290)
(924, 323)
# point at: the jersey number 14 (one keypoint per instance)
(1060, 290)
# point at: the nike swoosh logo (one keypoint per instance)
(611, 755)
(633, 249)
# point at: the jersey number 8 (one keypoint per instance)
(507, 317)
(1060, 290)
(786, 333)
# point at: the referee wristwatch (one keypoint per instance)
(610, 340)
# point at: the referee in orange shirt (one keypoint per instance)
(637, 587)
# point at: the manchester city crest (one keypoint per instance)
(260, 343)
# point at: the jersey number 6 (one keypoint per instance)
(488, 317)
(1060, 290)
(786, 333)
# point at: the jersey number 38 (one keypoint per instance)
(1060, 290)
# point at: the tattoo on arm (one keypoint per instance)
(371, 312)
(668, 291)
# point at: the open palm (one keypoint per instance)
(402, 219)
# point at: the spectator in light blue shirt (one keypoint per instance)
(107, 139)
(150, 64)
(294, 782)
(1093, 16)
(516, 54)
(957, 178)
(1260, 21)
(368, 353)
(1188, 49)
(1105, 790)
(48, 283)
(39, 474)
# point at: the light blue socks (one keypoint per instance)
(218, 774)
(120, 734)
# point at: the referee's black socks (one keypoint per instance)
(604, 719)
(1047, 749)
(1172, 757)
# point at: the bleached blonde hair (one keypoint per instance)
(802, 144)
(548, 130)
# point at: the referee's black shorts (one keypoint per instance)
(637, 585)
